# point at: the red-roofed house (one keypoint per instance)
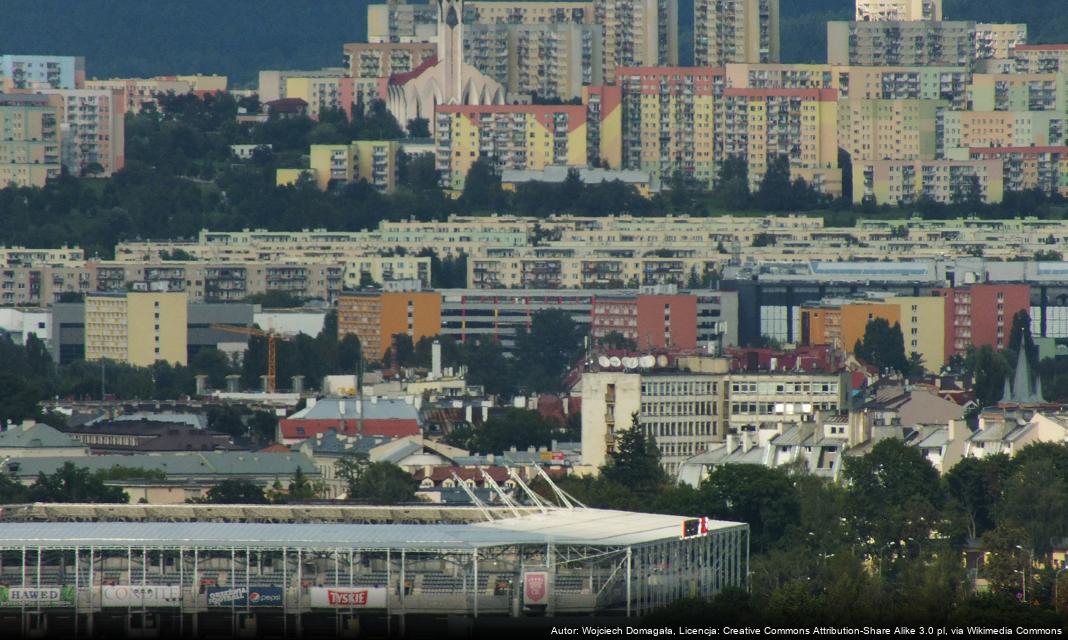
(393, 418)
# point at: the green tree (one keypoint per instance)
(235, 491)
(487, 366)
(70, 483)
(763, 497)
(302, 488)
(635, 463)
(547, 350)
(975, 485)
(883, 346)
(988, 369)
(519, 428)
(384, 483)
(482, 188)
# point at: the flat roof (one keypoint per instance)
(594, 527)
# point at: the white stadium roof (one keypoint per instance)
(595, 527)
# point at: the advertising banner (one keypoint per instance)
(348, 597)
(124, 595)
(536, 588)
(242, 597)
(32, 597)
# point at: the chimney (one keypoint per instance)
(435, 360)
(263, 383)
(202, 384)
(298, 384)
(468, 415)
(732, 442)
(233, 383)
(747, 442)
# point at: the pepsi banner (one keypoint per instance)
(244, 597)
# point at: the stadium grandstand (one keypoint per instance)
(278, 571)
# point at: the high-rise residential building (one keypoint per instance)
(873, 129)
(550, 60)
(904, 83)
(92, 129)
(945, 181)
(136, 327)
(374, 161)
(962, 131)
(638, 33)
(322, 93)
(376, 316)
(508, 137)
(272, 82)
(998, 41)
(1030, 167)
(981, 315)
(841, 323)
(920, 43)
(139, 93)
(650, 320)
(781, 76)
(29, 140)
(604, 126)
(1019, 92)
(381, 60)
(798, 124)
(669, 120)
(417, 21)
(1040, 58)
(898, 10)
(728, 31)
(41, 72)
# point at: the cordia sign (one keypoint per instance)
(347, 597)
(141, 596)
(241, 596)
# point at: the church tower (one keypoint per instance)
(451, 49)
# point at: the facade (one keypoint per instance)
(273, 83)
(915, 43)
(668, 120)
(371, 417)
(1040, 58)
(649, 320)
(1018, 92)
(1030, 167)
(376, 316)
(840, 324)
(962, 131)
(136, 327)
(898, 10)
(638, 33)
(140, 93)
(30, 141)
(798, 124)
(874, 129)
(998, 41)
(92, 129)
(29, 72)
(945, 181)
(949, 83)
(508, 137)
(322, 93)
(981, 315)
(373, 161)
(735, 31)
(373, 60)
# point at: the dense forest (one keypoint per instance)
(135, 38)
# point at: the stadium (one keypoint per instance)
(287, 571)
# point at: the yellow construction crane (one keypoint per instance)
(272, 352)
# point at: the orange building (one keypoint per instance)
(376, 316)
(840, 326)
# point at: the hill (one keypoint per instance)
(240, 37)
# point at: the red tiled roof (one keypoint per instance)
(298, 428)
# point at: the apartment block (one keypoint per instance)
(638, 33)
(981, 315)
(841, 323)
(946, 181)
(136, 327)
(1018, 92)
(998, 41)
(735, 31)
(17, 256)
(1030, 167)
(962, 131)
(682, 412)
(41, 72)
(898, 10)
(780, 76)
(905, 83)
(549, 60)
(650, 320)
(375, 60)
(417, 22)
(140, 93)
(272, 83)
(889, 129)
(774, 397)
(799, 124)
(92, 129)
(920, 43)
(376, 316)
(29, 140)
(322, 93)
(43, 284)
(508, 137)
(669, 120)
(1040, 58)
(373, 161)
(604, 126)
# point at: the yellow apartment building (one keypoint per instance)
(29, 141)
(735, 31)
(889, 129)
(372, 160)
(137, 327)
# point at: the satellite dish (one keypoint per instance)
(603, 362)
(630, 363)
(661, 361)
(615, 362)
(648, 362)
